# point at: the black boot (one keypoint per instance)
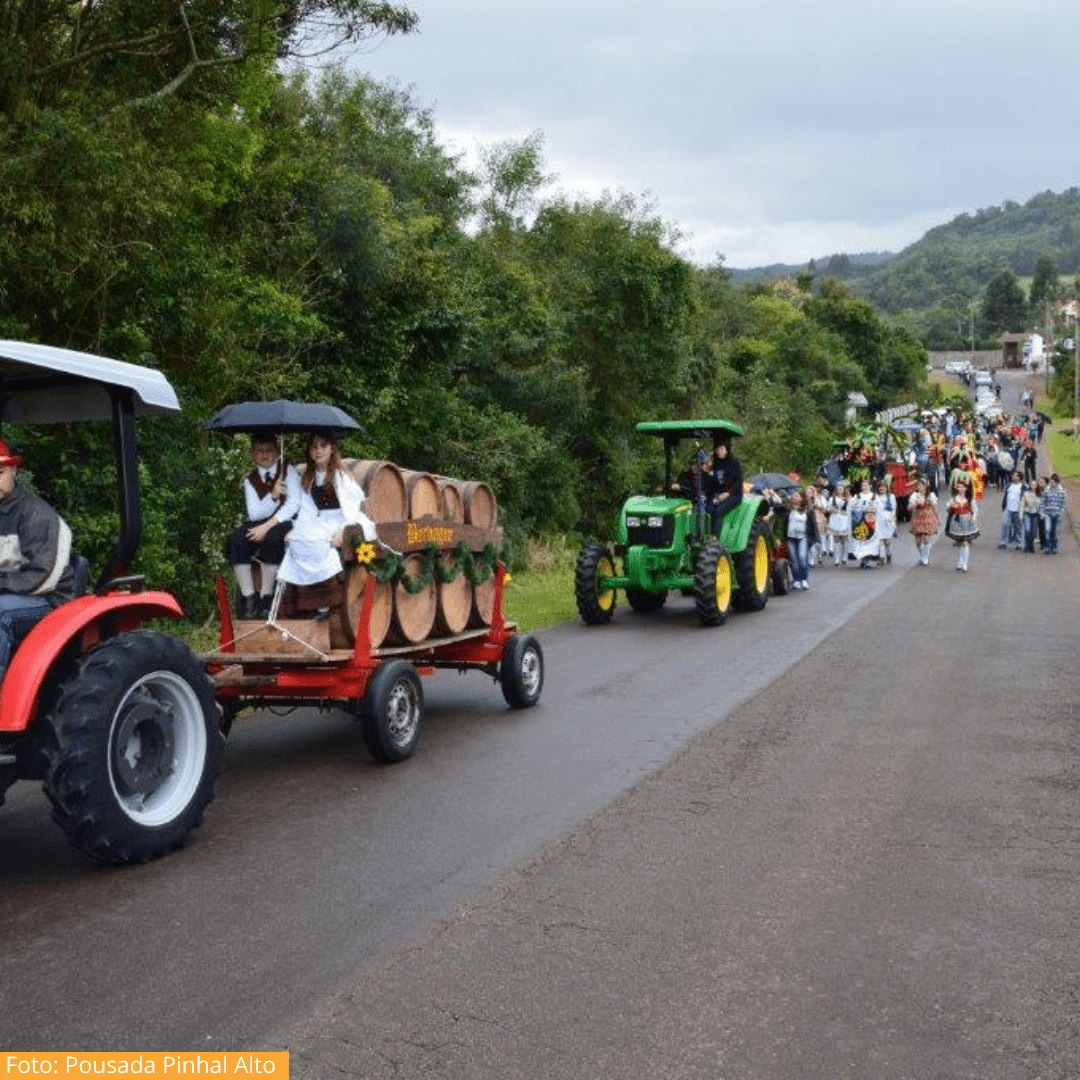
(248, 606)
(264, 606)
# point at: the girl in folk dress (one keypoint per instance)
(886, 519)
(924, 519)
(864, 541)
(331, 499)
(963, 522)
(839, 522)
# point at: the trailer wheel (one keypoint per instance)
(392, 712)
(752, 570)
(594, 603)
(135, 748)
(782, 578)
(521, 672)
(713, 576)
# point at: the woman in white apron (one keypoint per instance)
(864, 541)
(330, 500)
(839, 522)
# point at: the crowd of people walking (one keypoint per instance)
(851, 517)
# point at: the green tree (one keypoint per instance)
(1044, 286)
(1004, 308)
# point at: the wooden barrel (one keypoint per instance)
(414, 613)
(483, 605)
(384, 487)
(423, 492)
(453, 500)
(455, 603)
(480, 506)
(381, 610)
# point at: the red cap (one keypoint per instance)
(7, 457)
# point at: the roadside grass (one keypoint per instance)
(542, 592)
(1063, 447)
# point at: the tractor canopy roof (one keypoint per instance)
(41, 384)
(671, 431)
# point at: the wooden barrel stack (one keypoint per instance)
(412, 510)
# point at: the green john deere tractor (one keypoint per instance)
(665, 542)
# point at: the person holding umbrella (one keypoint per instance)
(330, 499)
(271, 500)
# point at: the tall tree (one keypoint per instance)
(1004, 307)
(1044, 286)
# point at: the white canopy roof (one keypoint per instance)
(41, 384)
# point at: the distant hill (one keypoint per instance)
(952, 263)
(838, 266)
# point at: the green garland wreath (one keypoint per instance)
(390, 566)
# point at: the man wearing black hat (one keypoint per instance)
(723, 481)
(35, 558)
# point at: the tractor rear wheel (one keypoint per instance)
(713, 577)
(752, 570)
(135, 746)
(595, 602)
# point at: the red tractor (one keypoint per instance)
(124, 725)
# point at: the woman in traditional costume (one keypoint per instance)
(864, 540)
(330, 500)
(839, 522)
(924, 519)
(963, 521)
(886, 519)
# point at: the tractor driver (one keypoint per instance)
(35, 558)
(723, 480)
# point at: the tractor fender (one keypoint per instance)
(38, 652)
(735, 526)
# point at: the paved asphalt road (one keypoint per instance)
(868, 870)
(836, 838)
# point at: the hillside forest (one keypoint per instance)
(185, 187)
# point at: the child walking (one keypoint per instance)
(963, 521)
(839, 522)
(924, 519)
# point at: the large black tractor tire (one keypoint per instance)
(714, 579)
(752, 570)
(645, 603)
(392, 712)
(595, 605)
(135, 746)
(521, 673)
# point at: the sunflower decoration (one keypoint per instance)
(366, 553)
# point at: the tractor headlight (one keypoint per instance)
(633, 521)
(656, 521)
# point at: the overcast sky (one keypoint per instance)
(764, 130)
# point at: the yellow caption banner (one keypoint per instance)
(124, 1064)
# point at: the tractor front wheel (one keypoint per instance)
(595, 601)
(134, 751)
(713, 577)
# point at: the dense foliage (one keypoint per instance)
(170, 196)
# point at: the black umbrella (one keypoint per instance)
(283, 418)
(776, 481)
